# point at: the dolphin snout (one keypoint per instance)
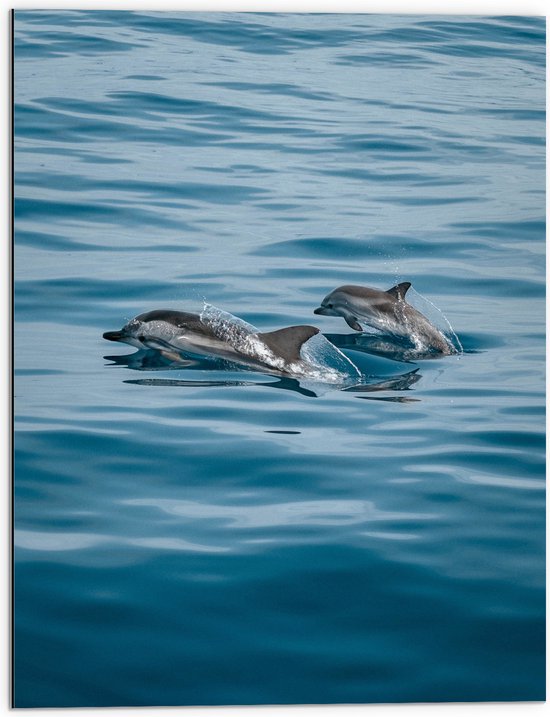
(325, 311)
(114, 335)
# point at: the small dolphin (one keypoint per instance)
(174, 331)
(386, 311)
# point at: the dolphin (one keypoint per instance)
(386, 311)
(172, 332)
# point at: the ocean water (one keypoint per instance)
(183, 534)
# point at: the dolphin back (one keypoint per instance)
(183, 320)
(287, 342)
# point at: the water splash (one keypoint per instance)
(241, 335)
(327, 359)
(319, 359)
(448, 332)
(225, 325)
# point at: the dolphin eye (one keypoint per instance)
(141, 338)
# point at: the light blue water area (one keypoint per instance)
(191, 534)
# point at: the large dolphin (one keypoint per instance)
(386, 311)
(174, 331)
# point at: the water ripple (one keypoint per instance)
(193, 537)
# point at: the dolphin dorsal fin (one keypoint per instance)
(399, 290)
(287, 342)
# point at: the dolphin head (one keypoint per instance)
(333, 303)
(337, 303)
(152, 328)
(131, 333)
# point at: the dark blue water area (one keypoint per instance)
(204, 534)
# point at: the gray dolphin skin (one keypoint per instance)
(386, 311)
(174, 331)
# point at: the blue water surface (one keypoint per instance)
(189, 535)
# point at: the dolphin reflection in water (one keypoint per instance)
(152, 360)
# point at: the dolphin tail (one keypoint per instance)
(399, 290)
(287, 342)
